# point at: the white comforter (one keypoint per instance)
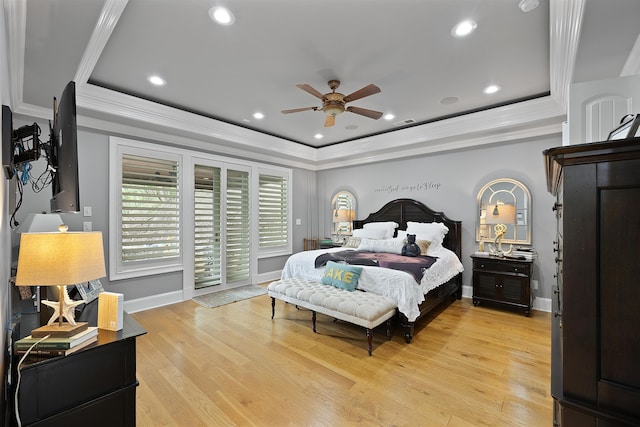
(396, 284)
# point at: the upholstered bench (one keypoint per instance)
(360, 308)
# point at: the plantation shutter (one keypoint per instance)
(150, 220)
(237, 226)
(272, 207)
(208, 236)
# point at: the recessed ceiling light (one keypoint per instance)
(449, 100)
(318, 136)
(491, 89)
(464, 28)
(156, 80)
(528, 5)
(258, 115)
(221, 16)
(389, 116)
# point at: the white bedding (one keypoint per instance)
(396, 284)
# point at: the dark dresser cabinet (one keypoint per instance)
(503, 281)
(595, 365)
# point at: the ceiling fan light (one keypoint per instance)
(333, 110)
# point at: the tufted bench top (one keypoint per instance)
(357, 307)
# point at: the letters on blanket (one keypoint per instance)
(415, 266)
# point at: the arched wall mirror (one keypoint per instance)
(508, 202)
(343, 212)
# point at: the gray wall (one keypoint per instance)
(450, 183)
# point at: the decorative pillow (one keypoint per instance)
(389, 227)
(434, 232)
(392, 246)
(352, 242)
(423, 245)
(402, 234)
(341, 276)
(368, 233)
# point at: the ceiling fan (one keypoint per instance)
(333, 103)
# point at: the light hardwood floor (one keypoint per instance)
(233, 365)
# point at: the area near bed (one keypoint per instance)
(382, 236)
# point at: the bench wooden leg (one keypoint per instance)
(273, 307)
(313, 320)
(370, 340)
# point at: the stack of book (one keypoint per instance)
(526, 252)
(56, 346)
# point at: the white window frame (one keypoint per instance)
(286, 248)
(117, 269)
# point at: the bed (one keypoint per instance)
(441, 282)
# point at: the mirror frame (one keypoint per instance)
(342, 201)
(512, 191)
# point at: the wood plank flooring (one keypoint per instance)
(234, 366)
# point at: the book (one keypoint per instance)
(56, 343)
(48, 353)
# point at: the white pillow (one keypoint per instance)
(389, 227)
(393, 246)
(402, 234)
(431, 231)
(368, 233)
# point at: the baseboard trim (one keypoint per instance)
(153, 301)
(540, 304)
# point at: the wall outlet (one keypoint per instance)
(298, 221)
(87, 226)
(534, 284)
(87, 211)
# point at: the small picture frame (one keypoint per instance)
(90, 290)
(627, 129)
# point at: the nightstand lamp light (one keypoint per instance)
(340, 216)
(60, 259)
(500, 215)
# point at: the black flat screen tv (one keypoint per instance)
(7, 141)
(63, 156)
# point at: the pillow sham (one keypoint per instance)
(434, 232)
(393, 246)
(424, 246)
(341, 276)
(388, 226)
(402, 234)
(364, 233)
(352, 242)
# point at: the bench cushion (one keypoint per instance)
(360, 308)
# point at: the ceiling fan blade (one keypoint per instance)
(365, 112)
(365, 91)
(307, 88)
(329, 121)
(297, 110)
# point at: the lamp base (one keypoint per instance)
(65, 330)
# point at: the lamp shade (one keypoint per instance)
(500, 214)
(342, 215)
(52, 259)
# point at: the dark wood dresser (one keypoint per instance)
(94, 386)
(595, 366)
(503, 281)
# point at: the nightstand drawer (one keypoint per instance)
(500, 266)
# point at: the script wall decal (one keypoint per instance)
(410, 188)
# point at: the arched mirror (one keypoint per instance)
(343, 212)
(504, 204)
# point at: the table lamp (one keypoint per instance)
(341, 215)
(500, 215)
(60, 259)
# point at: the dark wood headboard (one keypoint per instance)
(403, 210)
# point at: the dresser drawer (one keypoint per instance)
(500, 266)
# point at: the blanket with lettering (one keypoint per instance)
(416, 266)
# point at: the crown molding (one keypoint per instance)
(565, 22)
(109, 16)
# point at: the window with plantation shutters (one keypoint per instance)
(273, 221)
(207, 231)
(237, 226)
(150, 210)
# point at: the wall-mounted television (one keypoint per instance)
(63, 155)
(7, 141)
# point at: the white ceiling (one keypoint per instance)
(218, 76)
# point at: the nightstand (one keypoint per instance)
(504, 281)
